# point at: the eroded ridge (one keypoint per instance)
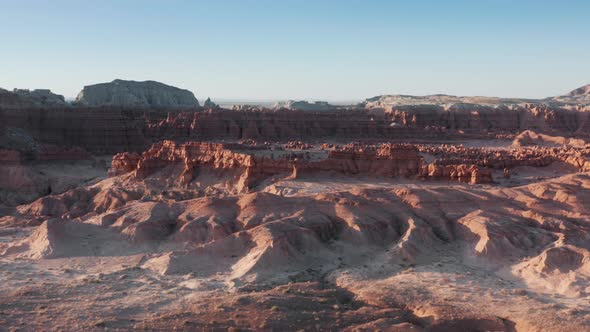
(384, 160)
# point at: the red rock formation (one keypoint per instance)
(111, 129)
(506, 158)
(491, 118)
(99, 131)
(15, 177)
(472, 174)
(389, 160)
(124, 163)
(23, 178)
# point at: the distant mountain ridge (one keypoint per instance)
(584, 90)
(579, 96)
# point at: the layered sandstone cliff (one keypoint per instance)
(26, 176)
(245, 169)
(99, 131)
(116, 129)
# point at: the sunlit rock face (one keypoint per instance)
(132, 93)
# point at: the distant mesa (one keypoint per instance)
(30, 98)
(302, 105)
(133, 93)
(439, 101)
(579, 97)
(582, 91)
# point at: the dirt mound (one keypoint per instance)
(57, 238)
(563, 270)
(529, 137)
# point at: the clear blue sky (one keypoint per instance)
(306, 49)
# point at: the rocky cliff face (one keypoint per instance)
(132, 93)
(210, 104)
(100, 131)
(501, 158)
(116, 129)
(25, 177)
(279, 125)
(112, 129)
(30, 98)
(480, 118)
(243, 170)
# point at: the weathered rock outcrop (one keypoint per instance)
(124, 163)
(132, 93)
(279, 125)
(133, 128)
(581, 91)
(99, 131)
(112, 129)
(30, 98)
(464, 173)
(482, 118)
(529, 137)
(508, 158)
(303, 105)
(209, 104)
(26, 176)
(388, 160)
